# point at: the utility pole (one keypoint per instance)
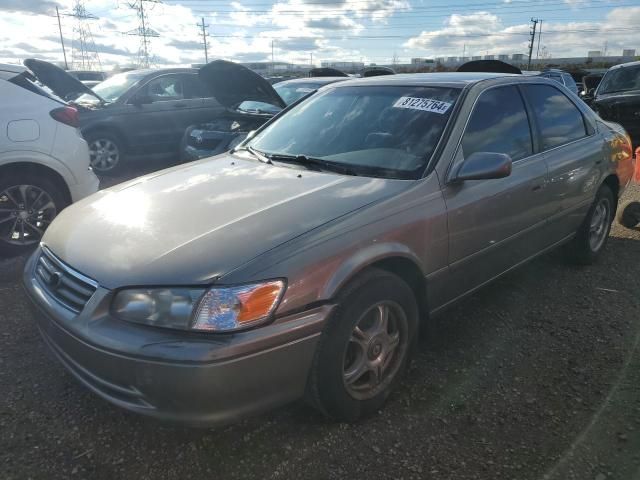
(204, 39)
(533, 39)
(272, 65)
(539, 37)
(64, 52)
(464, 50)
(311, 60)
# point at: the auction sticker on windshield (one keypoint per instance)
(424, 104)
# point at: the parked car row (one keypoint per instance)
(304, 262)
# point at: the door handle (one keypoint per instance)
(536, 188)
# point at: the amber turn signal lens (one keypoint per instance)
(258, 302)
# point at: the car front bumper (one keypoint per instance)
(87, 185)
(191, 378)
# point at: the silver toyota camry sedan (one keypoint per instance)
(304, 262)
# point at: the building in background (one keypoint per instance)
(489, 57)
(503, 57)
(629, 52)
(594, 53)
(518, 57)
(347, 67)
(421, 61)
(476, 57)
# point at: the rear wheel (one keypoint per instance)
(365, 347)
(28, 204)
(106, 152)
(593, 234)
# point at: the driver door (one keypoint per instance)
(495, 224)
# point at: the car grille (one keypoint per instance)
(68, 287)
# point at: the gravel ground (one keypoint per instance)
(534, 377)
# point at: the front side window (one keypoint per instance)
(499, 124)
(558, 118)
(165, 88)
(389, 131)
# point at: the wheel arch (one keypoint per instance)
(37, 169)
(391, 257)
(107, 128)
(613, 182)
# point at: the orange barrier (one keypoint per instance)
(636, 174)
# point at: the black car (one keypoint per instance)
(617, 98)
(254, 103)
(133, 114)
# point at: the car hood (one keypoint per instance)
(57, 80)
(194, 223)
(233, 84)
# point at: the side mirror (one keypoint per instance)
(484, 166)
(141, 99)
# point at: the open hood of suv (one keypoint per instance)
(57, 80)
(233, 84)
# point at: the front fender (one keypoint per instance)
(38, 158)
(360, 260)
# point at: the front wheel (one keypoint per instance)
(592, 235)
(28, 204)
(365, 347)
(629, 215)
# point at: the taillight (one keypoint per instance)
(67, 115)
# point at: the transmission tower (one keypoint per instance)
(143, 31)
(84, 55)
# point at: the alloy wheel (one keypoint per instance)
(104, 154)
(376, 350)
(25, 213)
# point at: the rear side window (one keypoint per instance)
(499, 124)
(559, 120)
(195, 88)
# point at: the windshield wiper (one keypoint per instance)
(312, 163)
(256, 153)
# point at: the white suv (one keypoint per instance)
(44, 161)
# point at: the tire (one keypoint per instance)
(591, 238)
(337, 386)
(19, 217)
(106, 152)
(629, 216)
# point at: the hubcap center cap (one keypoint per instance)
(375, 349)
(23, 215)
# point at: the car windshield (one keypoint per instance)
(620, 80)
(113, 88)
(388, 131)
(292, 92)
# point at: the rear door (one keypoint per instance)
(572, 150)
(495, 224)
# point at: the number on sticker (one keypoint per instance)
(424, 104)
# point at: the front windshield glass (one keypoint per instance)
(374, 130)
(292, 92)
(620, 80)
(113, 88)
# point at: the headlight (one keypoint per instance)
(218, 309)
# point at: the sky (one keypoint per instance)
(311, 31)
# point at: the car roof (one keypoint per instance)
(449, 79)
(8, 67)
(155, 71)
(316, 80)
(624, 65)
